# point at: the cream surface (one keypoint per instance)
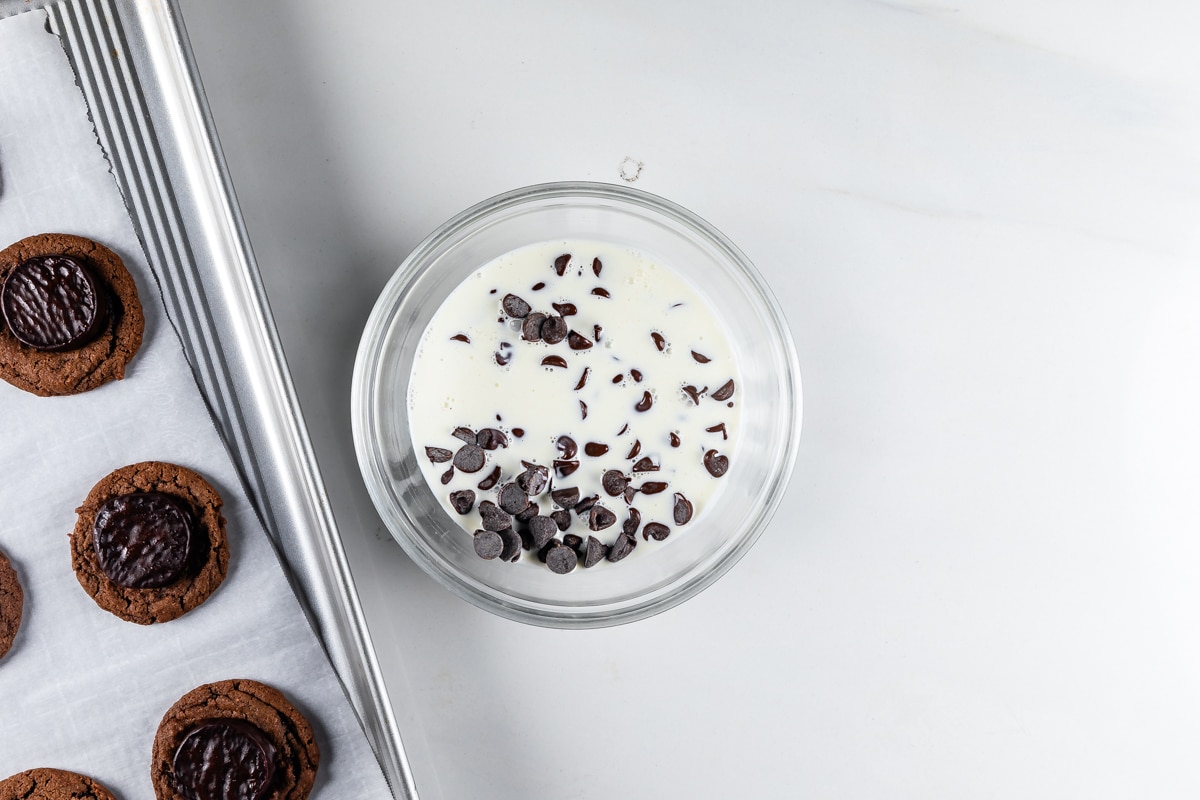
(650, 338)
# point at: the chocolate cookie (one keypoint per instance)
(149, 544)
(12, 600)
(70, 312)
(238, 734)
(52, 784)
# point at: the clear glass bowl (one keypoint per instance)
(668, 572)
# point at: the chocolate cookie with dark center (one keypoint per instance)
(12, 603)
(234, 740)
(52, 784)
(71, 316)
(149, 544)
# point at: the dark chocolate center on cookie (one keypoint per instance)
(145, 539)
(224, 759)
(53, 302)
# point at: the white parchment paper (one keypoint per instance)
(82, 689)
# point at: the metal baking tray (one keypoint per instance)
(139, 79)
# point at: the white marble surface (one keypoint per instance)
(983, 222)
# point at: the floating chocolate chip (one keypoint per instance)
(54, 303)
(573, 541)
(512, 499)
(504, 355)
(491, 438)
(645, 403)
(595, 449)
(674, 439)
(700, 359)
(463, 500)
(724, 392)
(493, 518)
(600, 518)
(594, 552)
(554, 361)
(561, 559)
(542, 529)
(222, 758)
(683, 509)
(656, 531)
(622, 547)
(518, 432)
(537, 287)
(653, 487)
(578, 342)
(488, 544)
(596, 332)
(469, 458)
(529, 513)
(694, 393)
(630, 493)
(645, 465)
(438, 455)
(719, 428)
(566, 446)
(144, 540)
(554, 330)
(515, 306)
(620, 376)
(564, 467)
(466, 434)
(565, 498)
(582, 410)
(660, 341)
(560, 263)
(447, 476)
(562, 518)
(600, 291)
(596, 267)
(491, 480)
(461, 337)
(583, 378)
(624, 428)
(512, 545)
(614, 482)
(637, 375)
(632, 522)
(533, 480)
(565, 309)
(531, 328)
(635, 449)
(585, 505)
(717, 465)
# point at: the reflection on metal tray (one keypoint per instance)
(135, 68)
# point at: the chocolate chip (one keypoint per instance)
(531, 328)
(719, 428)
(594, 552)
(683, 509)
(529, 513)
(533, 480)
(466, 434)
(595, 449)
(488, 544)
(716, 465)
(144, 540)
(656, 531)
(645, 403)
(560, 263)
(54, 303)
(620, 376)
(512, 545)
(596, 267)
(561, 559)
(469, 458)
(624, 428)
(700, 359)
(614, 482)
(512, 498)
(578, 342)
(645, 465)
(622, 547)
(565, 498)
(225, 758)
(573, 541)
(583, 378)
(542, 529)
(438, 455)
(537, 287)
(582, 410)
(596, 332)
(461, 337)
(565, 309)
(518, 432)
(564, 467)
(491, 438)
(463, 500)
(632, 522)
(653, 487)
(491, 480)
(637, 374)
(725, 392)
(554, 361)
(493, 518)
(505, 354)
(630, 493)
(515, 306)
(554, 330)
(600, 518)
(674, 439)
(633, 451)
(447, 476)
(562, 518)
(660, 341)
(694, 393)
(600, 291)
(585, 505)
